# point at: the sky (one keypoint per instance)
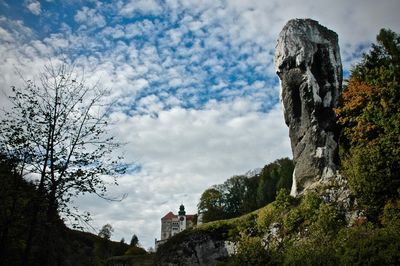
(197, 97)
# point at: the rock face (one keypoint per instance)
(307, 61)
(194, 248)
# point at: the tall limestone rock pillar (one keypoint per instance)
(307, 61)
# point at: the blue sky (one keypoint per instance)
(195, 85)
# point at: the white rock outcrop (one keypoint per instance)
(307, 61)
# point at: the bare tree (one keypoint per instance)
(56, 128)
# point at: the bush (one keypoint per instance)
(309, 253)
(309, 207)
(293, 220)
(283, 200)
(369, 177)
(250, 252)
(266, 216)
(365, 245)
(391, 214)
(328, 220)
(134, 250)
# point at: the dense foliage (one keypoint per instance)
(369, 115)
(15, 209)
(240, 194)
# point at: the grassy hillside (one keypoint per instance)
(305, 231)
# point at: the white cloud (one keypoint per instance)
(183, 152)
(140, 28)
(146, 7)
(18, 30)
(34, 7)
(115, 32)
(5, 36)
(57, 41)
(90, 17)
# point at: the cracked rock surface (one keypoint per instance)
(307, 61)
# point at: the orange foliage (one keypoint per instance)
(355, 100)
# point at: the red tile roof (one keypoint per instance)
(169, 216)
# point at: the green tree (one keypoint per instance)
(369, 115)
(102, 247)
(274, 176)
(250, 195)
(240, 194)
(285, 172)
(224, 201)
(106, 231)
(211, 205)
(234, 195)
(134, 241)
(283, 199)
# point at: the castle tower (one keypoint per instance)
(182, 218)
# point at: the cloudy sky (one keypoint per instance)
(197, 97)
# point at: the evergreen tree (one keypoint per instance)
(134, 241)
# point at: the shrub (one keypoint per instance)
(369, 177)
(283, 200)
(365, 245)
(309, 253)
(135, 250)
(293, 220)
(328, 220)
(309, 207)
(391, 214)
(266, 216)
(250, 252)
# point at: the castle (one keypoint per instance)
(171, 224)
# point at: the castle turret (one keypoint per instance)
(181, 210)
(182, 218)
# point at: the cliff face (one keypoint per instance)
(307, 60)
(194, 248)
